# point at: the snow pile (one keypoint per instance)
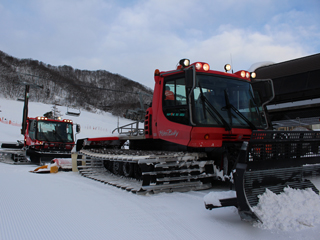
(213, 197)
(293, 209)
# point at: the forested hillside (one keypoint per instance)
(66, 86)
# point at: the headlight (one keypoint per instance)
(184, 62)
(206, 67)
(227, 67)
(198, 66)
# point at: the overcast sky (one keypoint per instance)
(133, 38)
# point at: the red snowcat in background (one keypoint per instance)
(44, 139)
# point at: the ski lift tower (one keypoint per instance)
(26, 100)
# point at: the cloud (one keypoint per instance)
(154, 32)
(133, 38)
(297, 25)
(243, 48)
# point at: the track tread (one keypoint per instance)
(161, 179)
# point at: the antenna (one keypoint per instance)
(231, 63)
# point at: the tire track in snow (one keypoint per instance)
(177, 225)
(69, 206)
(24, 212)
(114, 209)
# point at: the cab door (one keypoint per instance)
(173, 122)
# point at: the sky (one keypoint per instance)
(133, 38)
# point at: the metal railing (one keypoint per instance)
(131, 129)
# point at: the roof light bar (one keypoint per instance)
(42, 118)
(201, 66)
(245, 74)
(184, 62)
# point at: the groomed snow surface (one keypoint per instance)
(67, 206)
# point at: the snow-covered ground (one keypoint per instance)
(92, 125)
(67, 206)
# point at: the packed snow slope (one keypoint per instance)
(68, 206)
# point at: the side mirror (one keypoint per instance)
(189, 73)
(264, 89)
(78, 128)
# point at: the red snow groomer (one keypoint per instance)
(45, 139)
(204, 125)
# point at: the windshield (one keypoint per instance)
(225, 102)
(54, 131)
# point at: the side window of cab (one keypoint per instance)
(174, 103)
(32, 129)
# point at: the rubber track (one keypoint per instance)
(19, 157)
(95, 170)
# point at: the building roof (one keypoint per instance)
(295, 82)
(292, 67)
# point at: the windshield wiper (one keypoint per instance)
(230, 106)
(44, 136)
(59, 136)
(211, 109)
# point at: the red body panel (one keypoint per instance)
(98, 139)
(28, 141)
(172, 132)
(216, 136)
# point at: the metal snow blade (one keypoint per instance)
(240, 201)
(273, 160)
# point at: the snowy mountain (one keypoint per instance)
(66, 86)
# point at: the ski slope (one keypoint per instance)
(68, 206)
(92, 125)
